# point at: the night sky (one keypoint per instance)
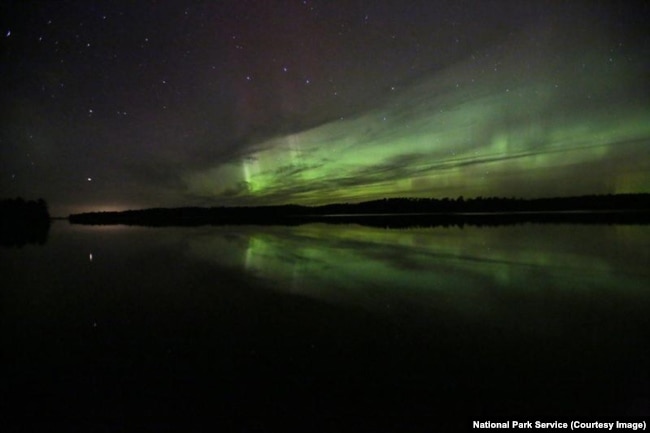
(110, 105)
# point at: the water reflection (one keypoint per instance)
(476, 271)
(317, 319)
(19, 233)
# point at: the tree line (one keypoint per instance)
(493, 208)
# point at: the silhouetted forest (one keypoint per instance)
(23, 222)
(400, 212)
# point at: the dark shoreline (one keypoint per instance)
(398, 213)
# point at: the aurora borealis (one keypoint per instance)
(448, 269)
(116, 105)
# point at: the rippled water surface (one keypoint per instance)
(317, 324)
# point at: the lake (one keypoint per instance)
(323, 326)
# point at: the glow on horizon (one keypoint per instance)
(63, 211)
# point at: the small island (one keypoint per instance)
(399, 212)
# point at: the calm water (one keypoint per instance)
(323, 325)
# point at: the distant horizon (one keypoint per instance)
(356, 203)
(55, 211)
(346, 102)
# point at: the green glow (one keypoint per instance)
(469, 270)
(553, 129)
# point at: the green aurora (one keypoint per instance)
(536, 121)
(449, 269)
(222, 104)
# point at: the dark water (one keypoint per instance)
(324, 327)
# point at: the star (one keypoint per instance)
(432, 79)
